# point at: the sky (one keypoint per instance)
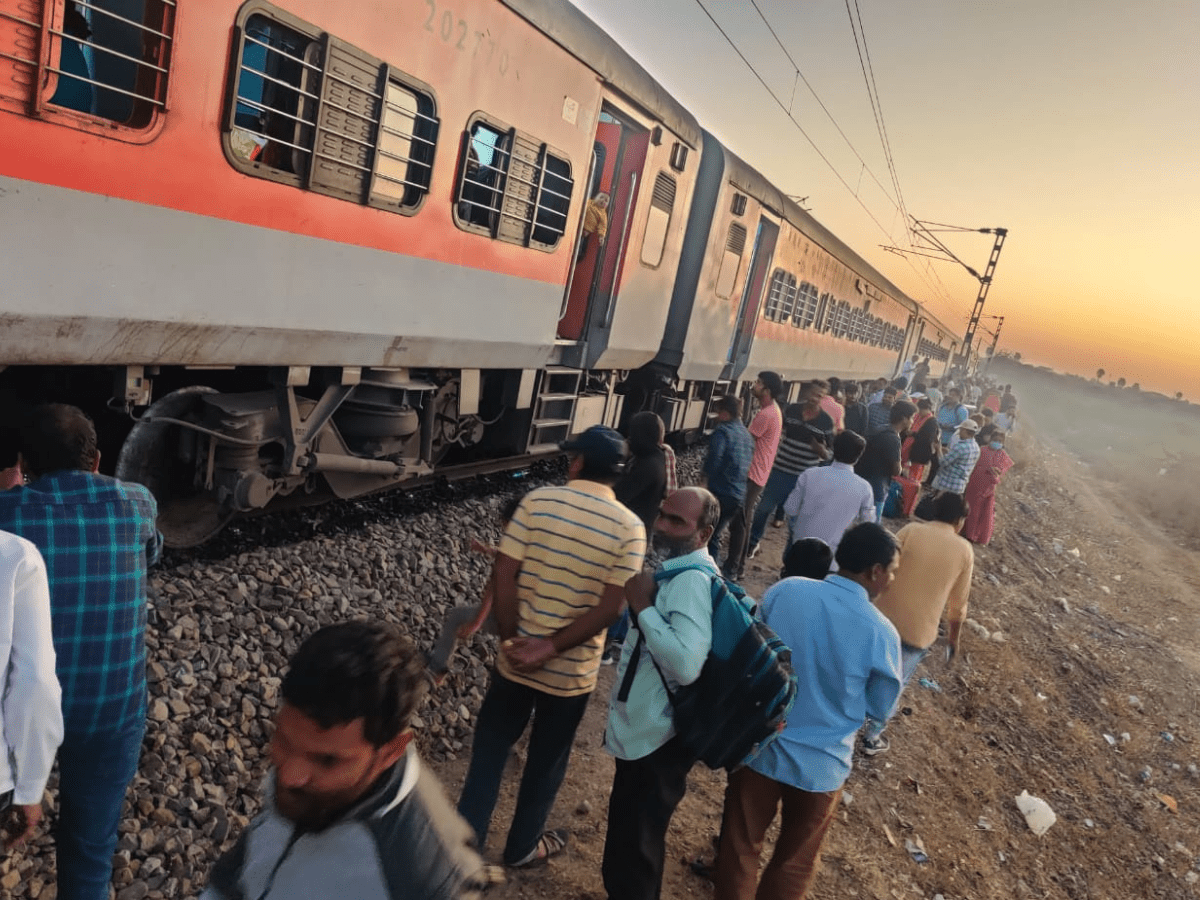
(1073, 124)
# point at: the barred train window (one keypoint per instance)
(806, 306)
(731, 260)
(661, 203)
(106, 58)
(513, 188)
(311, 110)
(781, 298)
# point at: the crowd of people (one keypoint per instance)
(620, 560)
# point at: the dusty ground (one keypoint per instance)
(1103, 643)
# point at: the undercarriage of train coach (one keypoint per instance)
(211, 456)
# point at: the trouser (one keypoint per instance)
(879, 505)
(751, 800)
(775, 491)
(459, 616)
(94, 771)
(644, 795)
(502, 718)
(620, 628)
(730, 509)
(738, 528)
(910, 658)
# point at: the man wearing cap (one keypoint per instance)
(558, 583)
(958, 463)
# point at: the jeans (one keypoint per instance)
(620, 628)
(729, 509)
(502, 718)
(94, 771)
(879, 509)
(738, 526)
(910, 658)
(644, 795)
(775, 491)
(750, 803)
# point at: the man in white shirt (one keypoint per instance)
(31, 719)
(829, 499)
(668, 643)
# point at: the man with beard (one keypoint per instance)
(349, 809)
(668, 643)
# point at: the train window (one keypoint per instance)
(513, 188)
(310, 110)
(679, 155)
(661, 203)
(731, 260)
(821, 323)
(738, 207)
(106, 60)
(553, 200)
(805, 312)
(781, 297)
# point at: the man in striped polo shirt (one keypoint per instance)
(558, 583)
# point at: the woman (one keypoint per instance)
(920, 448)
(981, 490)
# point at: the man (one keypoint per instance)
(847, 661)
(934, 576)
(558, 583)
(950, 414)
(349, 809)
(856, 410)
(30, 700)
(877, 413)
(880, 461)
(832, 404)
(954, 470)
(933, 393)
(921, 372)
(875, 393)
(827, 499)
(98, 538)
(807, 435)
(766, 430)
(910, 365)
(730, 450)
(1008, 401)
(673, 622)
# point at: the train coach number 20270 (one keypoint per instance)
(456, 32)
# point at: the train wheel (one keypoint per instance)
(168, 457)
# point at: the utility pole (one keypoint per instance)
(985, 282)
(933, 248)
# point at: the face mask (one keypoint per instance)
(997, 445)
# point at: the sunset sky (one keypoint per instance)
(1075, 125)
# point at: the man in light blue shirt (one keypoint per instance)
(826, 500)
(667, 646)
(847, 660)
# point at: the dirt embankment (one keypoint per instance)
(1084, 694)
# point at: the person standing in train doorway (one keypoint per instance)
(558, 583)
(98, 538)
(766, 430)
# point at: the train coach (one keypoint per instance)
(283, 252)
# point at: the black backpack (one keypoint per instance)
(740, 702)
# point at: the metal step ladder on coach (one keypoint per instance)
(554, 408)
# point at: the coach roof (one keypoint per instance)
(587, 42)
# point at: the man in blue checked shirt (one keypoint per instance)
(730, 450)
(97, 536)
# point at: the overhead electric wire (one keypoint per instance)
(808, 138)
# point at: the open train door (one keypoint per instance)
(748, 310)
(618, 157)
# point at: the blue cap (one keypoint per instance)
(600, 446)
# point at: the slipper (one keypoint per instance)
(551, 843)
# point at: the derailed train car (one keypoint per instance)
(289, 251)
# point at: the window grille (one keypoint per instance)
(781, 297)
(662, 202)
(311, 110)
(103, 58)
(738, 207)
(805, 312)
(512, 188)
(735, 246)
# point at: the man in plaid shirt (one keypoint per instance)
(98, 537)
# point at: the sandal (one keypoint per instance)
(551, 843)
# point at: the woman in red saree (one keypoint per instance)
(981, 490)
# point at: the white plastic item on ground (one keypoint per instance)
(1038, 814)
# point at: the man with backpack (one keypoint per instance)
(669, 640)
(847, 660)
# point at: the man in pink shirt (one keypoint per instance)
(831, 403)
(766, 430)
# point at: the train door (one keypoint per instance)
(619, 155)
(747, 318)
